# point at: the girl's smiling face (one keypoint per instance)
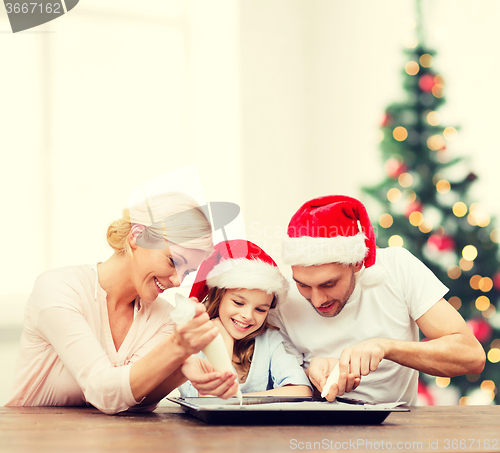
(243, 311)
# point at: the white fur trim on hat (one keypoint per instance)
(313, 251)
(248, 274)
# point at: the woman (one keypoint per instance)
(100, 334)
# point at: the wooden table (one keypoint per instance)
(424, 429)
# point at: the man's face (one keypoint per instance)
(327, 287)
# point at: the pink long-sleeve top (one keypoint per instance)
(67, 356)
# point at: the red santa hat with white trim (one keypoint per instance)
(239, 264)
(332, 229)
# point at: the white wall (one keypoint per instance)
(96, 103)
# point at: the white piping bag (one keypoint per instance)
(332, 379)
(215, 352)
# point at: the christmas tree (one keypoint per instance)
(426, 208)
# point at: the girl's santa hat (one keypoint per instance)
(239, 264)
(332, 229)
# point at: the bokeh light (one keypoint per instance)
(459, 209)
(396, 241)
(435, 142)
(495, 235)
(454, 272)
(474, 281)
(485, 284)
(494, 355)
(455, 302)
(412, 68)
(426, 60)
(394, 195)
(482, 303)
(465, 265)
(464, 401)
(488, 386)
(443, 381)
(450, 133)
(426, 226)
(489, 312)
(443, 186)
(478, 215)
(439, 79)
(405, 180)
(469, 252)
(437, 90)
(495, 343)
(433, 118)
(400, 133)
(385, 220)
(416, 218)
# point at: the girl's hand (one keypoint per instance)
(197, 333)
(228, 339)
(207, 381)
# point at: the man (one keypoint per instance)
(363, 306)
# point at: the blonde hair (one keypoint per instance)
(243, 349)
(173, 216)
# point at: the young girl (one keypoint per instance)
(239, 283)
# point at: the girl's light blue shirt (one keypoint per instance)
(271, 367)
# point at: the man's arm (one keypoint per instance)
(451, 350)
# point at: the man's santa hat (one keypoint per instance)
(239, 264)
(332, 229)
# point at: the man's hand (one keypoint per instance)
(197, 333)
(359, 360)
(319, 370)
(362, 358)
(207, 381)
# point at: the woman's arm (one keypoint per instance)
(153, 375)
(58, 319)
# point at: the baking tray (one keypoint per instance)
(273, 410)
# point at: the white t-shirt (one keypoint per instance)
(388, 310)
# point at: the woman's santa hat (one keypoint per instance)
(239, 264)
(332, 229)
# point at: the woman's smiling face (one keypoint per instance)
(156, 270)
(243, 311)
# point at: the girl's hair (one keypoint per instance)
(173, 216)
(244, 348)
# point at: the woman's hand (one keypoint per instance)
(228, 339)
(208, 381)
(197, 333)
